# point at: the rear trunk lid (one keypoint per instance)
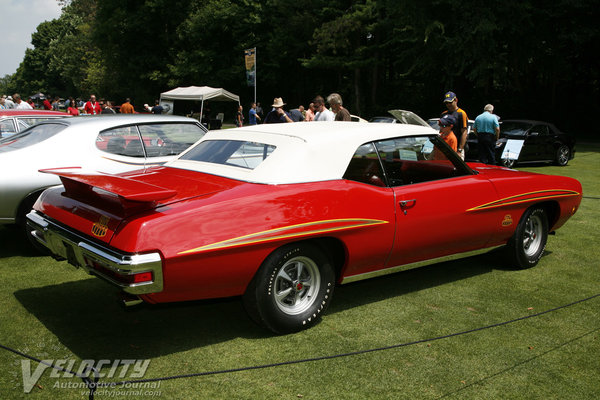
(94, 204)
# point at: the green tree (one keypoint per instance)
(346, 43)
(137, 41)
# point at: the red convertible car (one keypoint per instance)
(280, 214)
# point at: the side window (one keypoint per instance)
(124, 141)
(169, 139)
(410, 160)
(365, 166)
(541, 130)
(7, 128)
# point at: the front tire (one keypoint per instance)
(292, 288)
(562, 155)
(526, 246)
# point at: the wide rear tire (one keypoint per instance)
(292, 289)
(526, 246)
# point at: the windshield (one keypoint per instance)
(236, 153)
(31, 136)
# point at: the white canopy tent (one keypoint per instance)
(198, 93)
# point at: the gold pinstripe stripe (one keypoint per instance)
(552, 193)
(273, 233)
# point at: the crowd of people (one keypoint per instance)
(453, 122)
(75, 106)
(15, 102)
(316, 111)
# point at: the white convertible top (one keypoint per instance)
(305, 151)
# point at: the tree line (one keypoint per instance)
(531, 59)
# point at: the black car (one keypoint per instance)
(542, 142)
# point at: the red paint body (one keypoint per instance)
(213, 233)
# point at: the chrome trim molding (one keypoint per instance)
(404, 267)
(66, 244)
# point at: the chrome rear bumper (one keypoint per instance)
(134, 273)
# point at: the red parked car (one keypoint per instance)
(280, 214)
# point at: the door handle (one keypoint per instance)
(406, 204)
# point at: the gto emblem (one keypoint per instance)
(101, 227)
(507, 221)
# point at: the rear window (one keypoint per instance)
(29, 137)
(150, 140)
(236, 153)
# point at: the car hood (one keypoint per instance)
(408, 117)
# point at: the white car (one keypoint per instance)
(112, 144)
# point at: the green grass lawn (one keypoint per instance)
(52, 311)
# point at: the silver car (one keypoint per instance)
(111, 144)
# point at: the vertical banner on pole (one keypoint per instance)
(250, 56)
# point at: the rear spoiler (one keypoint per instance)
(77, 182)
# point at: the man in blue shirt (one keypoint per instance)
(253, 115)
(487, 129)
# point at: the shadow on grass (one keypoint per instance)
(88, 320)
(414, 280)
(13, 243)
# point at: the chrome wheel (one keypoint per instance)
(532, 235)
(526, 246)
(296, 285)
(291, 289)
(508, 163)
(562, 155)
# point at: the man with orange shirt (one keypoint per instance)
(127, 108)
(460, 116)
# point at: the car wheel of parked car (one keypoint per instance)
(292, 288)
(562, 155)
(508, 163)
(527, 245)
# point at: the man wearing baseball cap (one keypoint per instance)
(460, 116)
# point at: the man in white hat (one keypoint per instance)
(277, 114)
